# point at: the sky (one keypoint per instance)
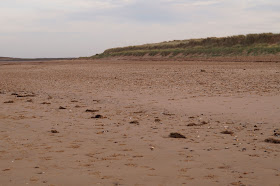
(75, 28)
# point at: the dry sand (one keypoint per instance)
(118, 115)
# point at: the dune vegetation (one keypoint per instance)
(240, 45)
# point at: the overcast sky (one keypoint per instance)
(74, 28)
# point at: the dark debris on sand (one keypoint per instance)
(98, 116)
(54, 131)
(62, 107)
(45, 103)
(91, 110)
(157, 120)
(167, 114)
(25, 96)
(134, 122)
(276, 132)
(9, 102)
(176, 135)
(194, 124)
(272, 140)
(227, 132)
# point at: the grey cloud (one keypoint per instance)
(47, 28)
(156, 11)
(139, 11)
(265, 8)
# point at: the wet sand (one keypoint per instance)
(108, 123)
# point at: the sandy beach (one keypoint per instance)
(108, 122)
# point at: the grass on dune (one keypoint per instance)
(241, 45)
